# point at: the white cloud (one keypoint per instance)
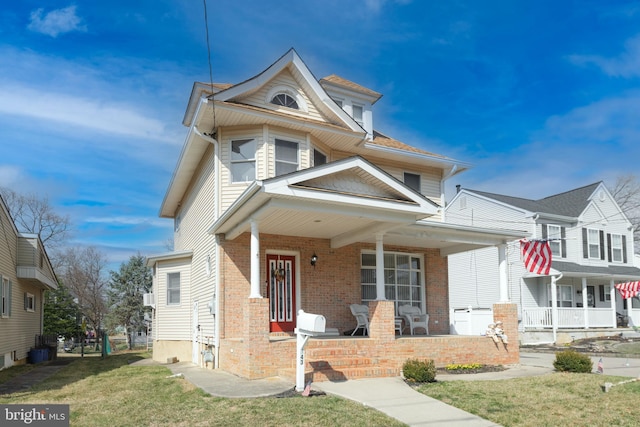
(56, 22)
(9, 175)
(129, 220)
(92, 113)
(627, 64)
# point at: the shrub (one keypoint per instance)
(420, 371)
(572, 361)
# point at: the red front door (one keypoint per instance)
(281, 288)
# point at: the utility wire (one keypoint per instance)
(213, 104)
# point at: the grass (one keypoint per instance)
(548, 400)
(111, 392)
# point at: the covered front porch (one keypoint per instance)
(579, 298)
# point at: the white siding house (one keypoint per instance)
(592, 245)
(25, 274)
(281, 168)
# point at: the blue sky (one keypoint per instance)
(541, 97)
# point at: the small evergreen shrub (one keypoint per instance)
(419, 371)
(572, 361)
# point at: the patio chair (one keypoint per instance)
(361, 313)
(414, 318)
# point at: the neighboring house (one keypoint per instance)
(25, 273)
(285, 198)
(591, 240)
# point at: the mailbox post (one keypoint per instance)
(307, 325)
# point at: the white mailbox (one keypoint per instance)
(308, 322)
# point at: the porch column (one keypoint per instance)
(585, 302)
(502, 267)
(380, 296)
(612, 292)
(554, 307)
(255, 261)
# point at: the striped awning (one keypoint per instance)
(628, 289)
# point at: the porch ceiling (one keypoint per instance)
(619, 272)
(344, 225)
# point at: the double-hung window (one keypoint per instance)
(564, 296)
(29, 302)
(403, 278)
(616, 248)
(243, 160)
(286, 157)
(594, 243)
(554, 234)
(173, 288)
(5, 296)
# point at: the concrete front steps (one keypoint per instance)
(340, 364)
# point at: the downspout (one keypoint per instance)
(216, 338)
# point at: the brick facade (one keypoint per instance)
(249, 350)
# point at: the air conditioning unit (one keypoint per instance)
(149, 300)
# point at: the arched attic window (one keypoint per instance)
(286, 96)
(285, 100)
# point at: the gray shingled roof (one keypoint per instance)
(610, 270)
(570, 203)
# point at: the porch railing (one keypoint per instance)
(568, 317)
(470, 321)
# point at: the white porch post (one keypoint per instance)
(380, 296)
(502, 267)
(554, 307)
(255, 261)
(585, 302)
(612, 292)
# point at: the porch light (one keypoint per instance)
(314, 259)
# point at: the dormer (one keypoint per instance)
(355, 100)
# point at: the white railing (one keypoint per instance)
(541, 317)
(470, 321)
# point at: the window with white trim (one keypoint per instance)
(29, 302)
(319, 158)
(243, 160)
(554, 234)
(5, 291)
(286, 157)
(564, 296)
(593, 236)
(285, 100)
(173, 288)
(403, 278)
(358, 113)
(412, 180)
(616, 248)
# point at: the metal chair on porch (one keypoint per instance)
(361, 313)
(414, 318)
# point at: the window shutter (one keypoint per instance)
(624, 249)
(609, 245)
(601, 287)
(545, 232)
(601, 244)
(585, 244)
(25, 301)
(563, 242)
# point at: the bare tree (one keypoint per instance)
(83, 273)
(33, 214)
(626, 191)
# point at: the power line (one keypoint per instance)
(213, 106)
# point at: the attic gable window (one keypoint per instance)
(285, 100)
